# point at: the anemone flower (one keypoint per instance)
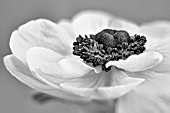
(96, 56)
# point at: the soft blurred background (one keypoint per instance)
(15, 96)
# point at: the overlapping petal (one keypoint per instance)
(92, 22)
(158, 38)
(146, 100)
(41, 33)
(47, 64)
(153, 96)
(102, 86)
(141, 62)
(23, 73)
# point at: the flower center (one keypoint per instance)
(108, 45)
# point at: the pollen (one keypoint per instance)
(108, 45)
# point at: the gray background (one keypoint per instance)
(15, 96)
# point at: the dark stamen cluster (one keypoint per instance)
(108, 45)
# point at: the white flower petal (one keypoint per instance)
(153, 96)
(50, 79)
(121, 84)
(91, 80)
(74, 68)
(95, 87)
(156, 30)
(134, 63)
(23, 74)
(98, 69)
(158, 38)
(53, 64)
(84, 92)
(120, 90)
(92, 22)
(43, 33)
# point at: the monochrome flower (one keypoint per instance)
(96, 56)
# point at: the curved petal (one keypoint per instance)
(91, 80)
(121, 84)
(43, 33)
(158, 38)
(23, 74)
(139, 62)
(48, 62)
(92, 22)
(103, 86)
(153, 96)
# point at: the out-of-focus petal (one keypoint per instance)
(52, 64)
(43, 33)
(96, 106)
(158, 38)
(153, 96)
(102, 87)
(156, 30)
(139, 62)
(23, 74)
(92, 22)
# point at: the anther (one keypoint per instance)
(108, 45)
